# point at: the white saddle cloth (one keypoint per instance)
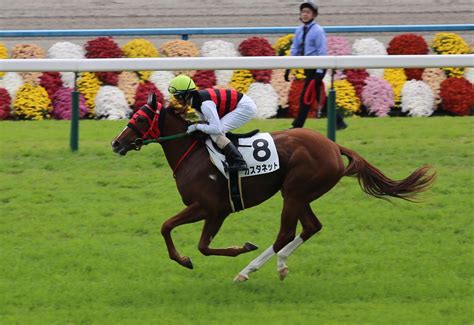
(259, 152)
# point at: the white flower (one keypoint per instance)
(66, 50)
(218, 48)
(111, 104)
(11, 81)
(162, 80)
(266, 99)
(417, 98)
(68, 79)
(370, 46)
(223, 77)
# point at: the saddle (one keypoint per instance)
(234, 138)
(259, 152)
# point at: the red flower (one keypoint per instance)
(5, 102)
(51, 81)
(357, 78)
(407, 44)
(102, 48)
(205, 79)
(256, 46)
(414, 73)
(141, 95)
(264, 76)
(108, 78)
(457, 95)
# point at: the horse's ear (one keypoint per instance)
(152, 100)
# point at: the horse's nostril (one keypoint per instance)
(115, 144)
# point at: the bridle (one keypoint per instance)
(155, 120)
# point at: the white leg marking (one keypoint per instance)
(255, 264)
(286, 251)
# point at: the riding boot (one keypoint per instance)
(234, 158)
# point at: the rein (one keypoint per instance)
(167, 138)
(174, 137)
(193, 145)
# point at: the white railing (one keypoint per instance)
(234, 63)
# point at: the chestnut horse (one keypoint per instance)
(310, 165)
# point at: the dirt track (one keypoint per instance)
(90, 14)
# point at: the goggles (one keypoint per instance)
(178, 94)
(181, 95)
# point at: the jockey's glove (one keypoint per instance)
(191, 128)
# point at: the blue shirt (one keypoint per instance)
(315, 41)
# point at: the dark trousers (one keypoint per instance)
(304, 109)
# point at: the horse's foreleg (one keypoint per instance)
(311, 226)
(191, 214)
(289, 220)
(211, 227)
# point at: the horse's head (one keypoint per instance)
(144, 125)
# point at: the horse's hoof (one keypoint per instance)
(240, 278)
(283, 273)
(250, 247)
(187, 262)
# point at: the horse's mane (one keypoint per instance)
(178, 112)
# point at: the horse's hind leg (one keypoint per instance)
(311, 226)
(211, 227)
(289, 220)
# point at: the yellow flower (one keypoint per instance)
(32, 103)
(396, 78)
(454, 72)
(187, 112)
(282, 48)
(140, 48)
(3, 55)
(88, 85)
(241, 80)
(283, 44)
(449, 43)
(346, 97)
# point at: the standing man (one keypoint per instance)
(310, 39)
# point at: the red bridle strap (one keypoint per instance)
(184, 157)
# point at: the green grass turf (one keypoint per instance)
(80, 235)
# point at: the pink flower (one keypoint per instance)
(377, 96)
(338, 45)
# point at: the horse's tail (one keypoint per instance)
(375, 183)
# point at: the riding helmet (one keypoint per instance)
(311, 5)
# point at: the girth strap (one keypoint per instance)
(235, 191)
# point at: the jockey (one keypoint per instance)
(222, 109)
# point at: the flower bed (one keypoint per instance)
(378, 92)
